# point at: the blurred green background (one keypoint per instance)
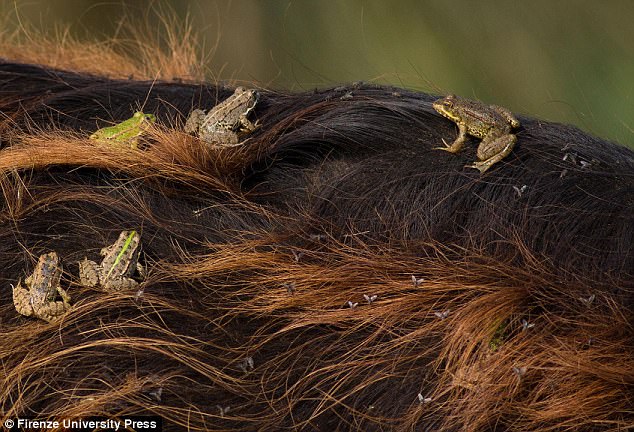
(568, 61)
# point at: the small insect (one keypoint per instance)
(317, 237)
(297, 255)
(138, 295)
(156, 394)
(416, 282)
(370, 299)
(246, 364)
(290, 287)
(519, 371)
(347, 95)
(519, 190)
(423, 400)
(222, 410)
(352, 305)
(587, 301)
(571, 156)
(442, 315)
(526, 325)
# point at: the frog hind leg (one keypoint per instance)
(506, 142)
(194, 121)
(88, 273)
(52, 310)
(141, 269)
(22, 300)
(121, 283)
(508, 115)
(227, 138)
(456, 146)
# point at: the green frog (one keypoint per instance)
(491, 123)
(120, 263)
(127, 132)
(38, 298)
(226, 122)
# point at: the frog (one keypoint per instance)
(38, 297)
(227, 122)
(119, 265)
(127, 132)
(491, 123)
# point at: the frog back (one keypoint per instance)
(45, 278)
(121, 257)
(481, 123)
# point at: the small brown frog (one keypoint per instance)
(226, 122)
(42, 286)
(491, 123)
(120, 262)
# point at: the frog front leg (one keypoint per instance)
(50, 311)
(456, 146)
(88, 273)
(493, 151)
(64, 295)
(247, 124)
(22, 300)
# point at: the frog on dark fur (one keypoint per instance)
(226, 122)
(490, 122)
(42, 286)
(120, 263)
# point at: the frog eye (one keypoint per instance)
(448, 103)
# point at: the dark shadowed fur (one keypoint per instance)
(258, 310)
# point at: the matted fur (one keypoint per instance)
(258, 311)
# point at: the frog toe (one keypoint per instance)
(446, 147)
(480, 166)
(454, 147)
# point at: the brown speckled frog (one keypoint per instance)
(42, 286)
(227, 121)
(120, 262)
(491, 123)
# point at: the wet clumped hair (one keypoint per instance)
(334, 272)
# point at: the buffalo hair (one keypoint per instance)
(334, 272)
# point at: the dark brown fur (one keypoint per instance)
(256, 252)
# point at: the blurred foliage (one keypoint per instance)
(570, 62)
